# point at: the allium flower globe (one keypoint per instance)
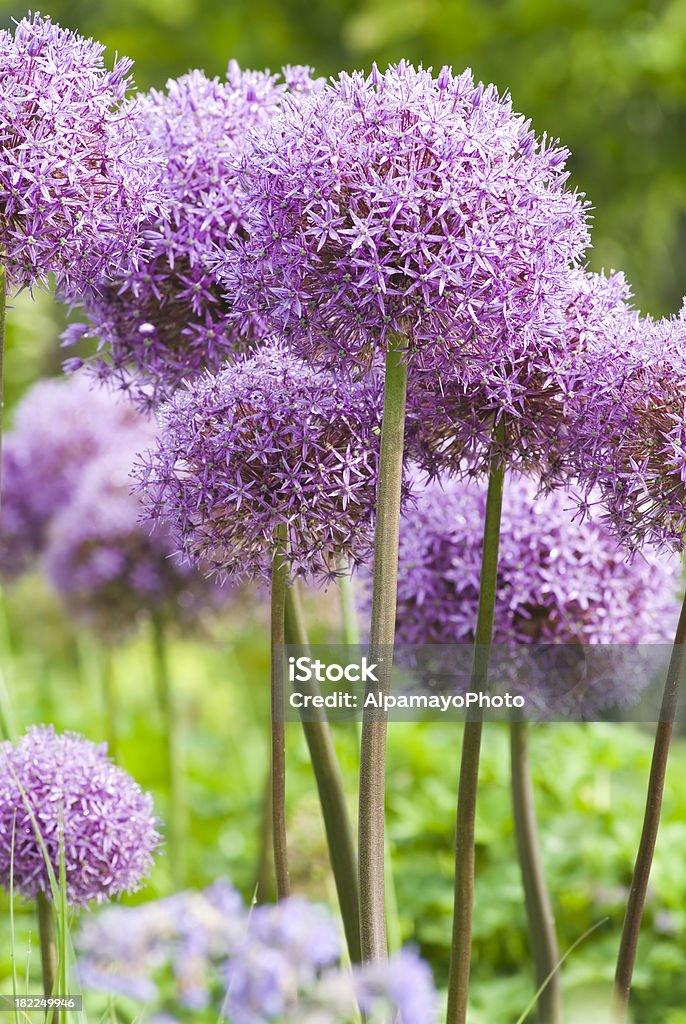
(627, 430)
(167, 319)
(559, 582)
(75, 178)
(83, 805)
(402, 203)
(450, 421)
(108, 566)
(59, 426)
(269, 442)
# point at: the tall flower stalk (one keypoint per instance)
(382, 634)
(651, 823)
(279, 578)
(460, 951)
(48, 943)
(539, 911)
(327, 772)
(173, 755)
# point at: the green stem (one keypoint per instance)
(544, 949)
(3, 307)
(278, 727)
(651, 822)
(351, 627)
(460, 953)
(172, 751)
(382, 633)
(264, 888)
(327, 772)
(109, 700)
(48, 944)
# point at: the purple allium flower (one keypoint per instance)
(83, 805)
(403, 986)
(269, 441)
(59, 426)
(402, 203)
(166, 319)
(559, 582)
(627, 429)
(107, 565)
(75, 178)
(451, 420)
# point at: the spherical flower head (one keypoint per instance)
(270, 443)
(559, 581)
(108, 566)
(59, 426)
(627, 430)
(75, 178)
(88, 811)
(402, 203)
(451, 421)
(166, 319)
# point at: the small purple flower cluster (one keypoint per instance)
(274, 963)
(167, 318)
(269, 443)
(76, 177)
(68, 505)
(400, 203)
(63, 800)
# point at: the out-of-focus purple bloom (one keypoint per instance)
(129, 950)
(76, 179)
(400, 202)
(402, 987)
(627, 430)
(268, 442)
(59, 426)
(285, 947)
(109, 566)
(451, 420)
(166, 319)
(83, 805)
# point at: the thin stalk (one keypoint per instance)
(544, 948)
(264, 887)
(382, 633)
(460, 952)
(327, 773)
(173, 758)
(278, 727)
(48, 944)
(3, 306)
(109, 700)
(651, 823)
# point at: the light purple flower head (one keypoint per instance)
(560, 582)
(83, 805)
(627, 430)
(166, 319)
(285, 948)
(451, 420)
(400, 202)
(75, 178)
(59, 426)
(269, 442)
(110, 567)
(402, 987)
